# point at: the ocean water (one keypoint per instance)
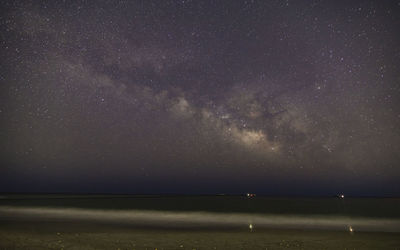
(235, 212)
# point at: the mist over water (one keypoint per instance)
(168, 219)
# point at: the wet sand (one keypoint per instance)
(74, 235)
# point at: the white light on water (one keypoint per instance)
(251, 226)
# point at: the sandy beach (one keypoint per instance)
(74, 235)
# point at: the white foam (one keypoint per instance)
(201, 219)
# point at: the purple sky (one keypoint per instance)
(273, 97)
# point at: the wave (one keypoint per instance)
(167, 219)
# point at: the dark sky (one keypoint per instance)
(272, 97)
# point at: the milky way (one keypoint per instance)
(273, 97)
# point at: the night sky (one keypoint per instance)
(202, 97)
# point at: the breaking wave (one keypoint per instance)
(168, 219)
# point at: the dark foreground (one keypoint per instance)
(64, 235)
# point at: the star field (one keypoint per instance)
(273, 97)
